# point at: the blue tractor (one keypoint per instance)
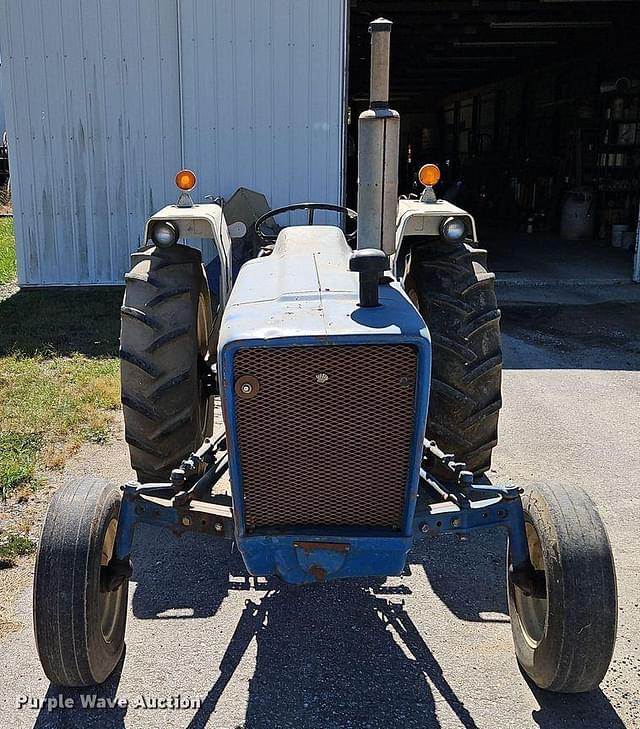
(325, 352)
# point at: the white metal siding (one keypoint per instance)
(2, 115)
(93, 98)
(92, 147)
(263, 96)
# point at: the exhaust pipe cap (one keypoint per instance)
(370, 264)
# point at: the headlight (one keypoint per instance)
(453, 229)
(164, 234)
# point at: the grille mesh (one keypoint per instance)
(332, 453)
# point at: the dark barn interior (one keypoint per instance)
(531, 108)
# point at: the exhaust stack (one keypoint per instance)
(378, 151)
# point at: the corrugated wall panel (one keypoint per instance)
(93, 95)
(2, 114)
(263, 88)
(93, 116)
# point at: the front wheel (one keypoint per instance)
(79, 625)
(564, 641)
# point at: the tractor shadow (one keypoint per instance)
(103, 712)
(182, 577)
(333, 658)
(341, 654)
(327, 654)
(451, 566)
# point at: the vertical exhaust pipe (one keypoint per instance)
(378, 151)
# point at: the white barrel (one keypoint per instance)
(617, 235)
(577, 219)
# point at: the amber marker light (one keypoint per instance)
(429, 175)
(186, 180)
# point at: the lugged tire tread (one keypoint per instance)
(167, 338)
(139, 406)
(140, 316)
(161, 390)
(166, 295)
(456, 297)
(148, 367)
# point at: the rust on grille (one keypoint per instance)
(326, 441)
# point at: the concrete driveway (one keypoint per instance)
(429, 649)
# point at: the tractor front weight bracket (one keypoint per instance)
(468, 506)
(187, 504)
(181, 506)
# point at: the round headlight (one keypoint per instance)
(164, 234)
(453, 229)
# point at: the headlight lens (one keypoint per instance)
(164, 234)
(453, 229)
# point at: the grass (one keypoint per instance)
(59, 378)
(7, 251)
(52, 405)
(14, 545)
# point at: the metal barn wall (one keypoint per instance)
(2, 114)
(91, 90)
(106, 99)
(263, 88)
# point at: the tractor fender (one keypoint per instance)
(202, 222)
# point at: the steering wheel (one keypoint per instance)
(311, 209)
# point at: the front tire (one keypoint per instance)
(565, 642)
(79, 627)
(455, 293)
(165, 341)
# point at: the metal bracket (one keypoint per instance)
(208, 374)
(114, 574)
(172, 506)
(206, 454)
(185, 200)
(463, 476)
(455, 511)
(428, 195)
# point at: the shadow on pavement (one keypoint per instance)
(184, 577)
(105, 713)
(344, 653)
(574, 711)
(328, 658)
(451, 567)
(604, 336)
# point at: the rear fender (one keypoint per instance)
(201, 222)
(417, 221)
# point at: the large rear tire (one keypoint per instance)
(564, 641)
(450, 285)
(167, 327)
(79, 626)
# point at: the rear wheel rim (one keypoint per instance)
(110, 601)
(203, 334)
(532, 612)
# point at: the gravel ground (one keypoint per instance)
(429, 649)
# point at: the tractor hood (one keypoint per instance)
(315, 390)
(305, 289)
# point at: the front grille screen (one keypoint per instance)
(325, 434)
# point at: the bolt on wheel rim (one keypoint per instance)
(532, 611)
(110, 602)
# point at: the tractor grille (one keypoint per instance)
(325, 434)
